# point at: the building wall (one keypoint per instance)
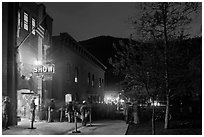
(18, 63)
(9, 18)
(4, 47)
(68, 56)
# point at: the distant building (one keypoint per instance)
(77, 72)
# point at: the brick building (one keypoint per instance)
(77, 72)
(37, 65)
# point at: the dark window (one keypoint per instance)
(99, 82)
(89, 78)
(92, 82)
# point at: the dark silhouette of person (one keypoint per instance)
(51, 109)
(84, 113)
(32, 110)
(6, 107)
(128, 113)
(70, 112)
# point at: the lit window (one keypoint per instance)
(25, 26)
(99, 82)
(33, 26)
(19, 24)
(76, 75)
(92, 82)
(75, 79)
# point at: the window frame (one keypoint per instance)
(33, 26)
(26, 22)
(76, 77)
(92, 80)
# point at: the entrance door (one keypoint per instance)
(24, 97)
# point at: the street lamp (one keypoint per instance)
(38, 62)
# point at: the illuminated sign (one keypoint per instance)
(49, 68)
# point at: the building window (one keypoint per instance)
(99, 83)
(89, 78)
(92, 82)
(19, 24)
(25, 24)
(76, 75)
(33, 26)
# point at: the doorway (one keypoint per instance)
(24, 97)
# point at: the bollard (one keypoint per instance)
(32, 120)
(49, 119)
(61, 114)
(75, 117)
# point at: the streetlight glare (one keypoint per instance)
(38, 62)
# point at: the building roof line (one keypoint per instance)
(99, 63)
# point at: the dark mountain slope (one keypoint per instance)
(102, 48)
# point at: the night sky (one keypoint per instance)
(85, 20)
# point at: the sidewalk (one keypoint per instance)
(42, 128)
(106, 127)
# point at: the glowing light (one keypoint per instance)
(75, 79)
(122, 101)
(38, 62)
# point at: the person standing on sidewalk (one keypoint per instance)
(32, 110)
(51, 109)
(84, 113)
(6, 107)
(70, 112)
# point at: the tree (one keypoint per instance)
(164, 22)
(140, 65)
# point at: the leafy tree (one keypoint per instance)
(165, 21)
(141, 66)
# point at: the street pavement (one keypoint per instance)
(42, 128)
(111, 127)
(108, 127)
